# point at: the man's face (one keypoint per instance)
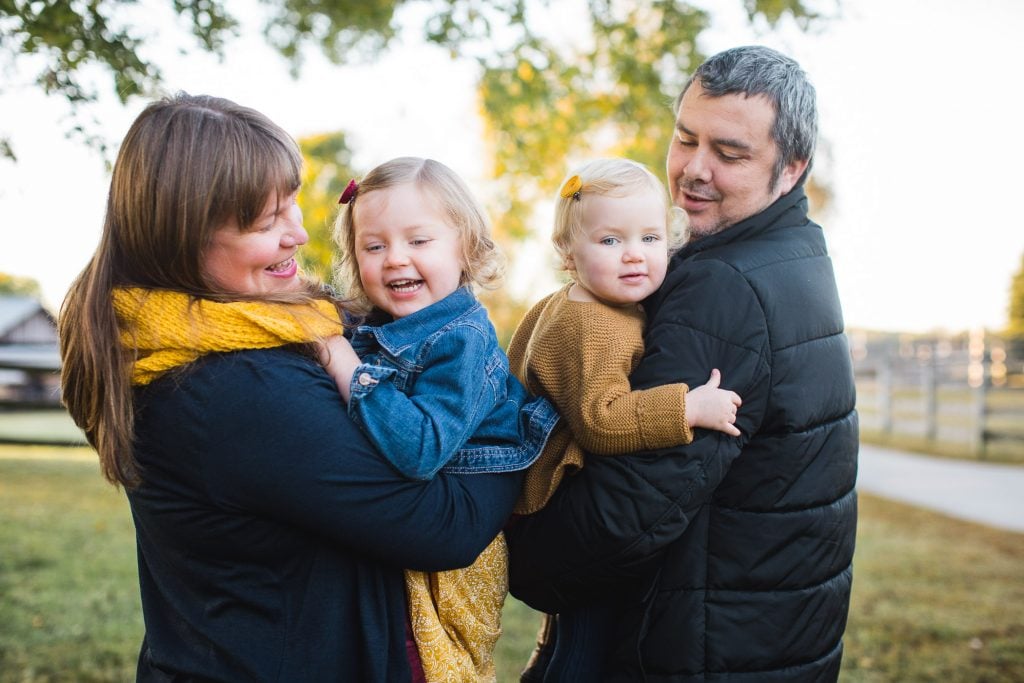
(721, 158)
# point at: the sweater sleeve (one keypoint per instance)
(275, 441)
(610, 522)
(582, 355)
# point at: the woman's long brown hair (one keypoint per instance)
(187, 166)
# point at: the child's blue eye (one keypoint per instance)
(609, 241)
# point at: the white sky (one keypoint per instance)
(920, 109)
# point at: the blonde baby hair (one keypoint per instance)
(611, 177)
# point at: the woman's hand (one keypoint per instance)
(709, 407)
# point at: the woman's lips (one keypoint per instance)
(286, 268)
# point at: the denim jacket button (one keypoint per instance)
(366, 379)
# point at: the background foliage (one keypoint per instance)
(545, 102)
(327, 169)
(17, 284)
(1015, 328)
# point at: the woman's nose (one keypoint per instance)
(295, 236)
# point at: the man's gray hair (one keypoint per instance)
(757, 70)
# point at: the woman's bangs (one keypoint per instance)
(272, 171)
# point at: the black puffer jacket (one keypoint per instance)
(731, 557)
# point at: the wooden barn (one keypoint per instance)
(29, 359)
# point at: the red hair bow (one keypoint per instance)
(350, 192)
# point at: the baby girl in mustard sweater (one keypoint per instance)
(578, 346)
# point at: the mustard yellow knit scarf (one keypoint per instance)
(170, 329)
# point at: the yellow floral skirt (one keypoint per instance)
(456, 616)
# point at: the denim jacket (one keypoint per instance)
(434, 390)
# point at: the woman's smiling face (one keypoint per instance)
(259, 259)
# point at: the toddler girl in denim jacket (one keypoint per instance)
(425, 378)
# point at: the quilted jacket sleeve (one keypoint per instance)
(609, 523)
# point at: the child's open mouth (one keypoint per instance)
(405, 286)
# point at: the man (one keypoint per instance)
(729, 558)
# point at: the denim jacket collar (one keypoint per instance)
(396, 335)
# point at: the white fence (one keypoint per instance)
(955, 391)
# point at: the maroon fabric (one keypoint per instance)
(413, 654)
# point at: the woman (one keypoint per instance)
(271, 537)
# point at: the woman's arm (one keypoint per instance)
(282, 446)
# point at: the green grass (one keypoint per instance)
(934, 599)
(70, 609)
(39, 426)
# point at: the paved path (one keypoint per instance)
(982, 492)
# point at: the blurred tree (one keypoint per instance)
(546, 99)
(546, 103)
(327, 169)
(635, 58)
(17, 284)
(64, 41)
(1015, 327)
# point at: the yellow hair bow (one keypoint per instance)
(572, 187)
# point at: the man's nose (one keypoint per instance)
(697, 166)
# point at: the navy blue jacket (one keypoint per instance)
(731, 556)
(272, 537)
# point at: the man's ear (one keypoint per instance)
(791, 173)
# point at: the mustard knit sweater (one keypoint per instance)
(579, 356)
